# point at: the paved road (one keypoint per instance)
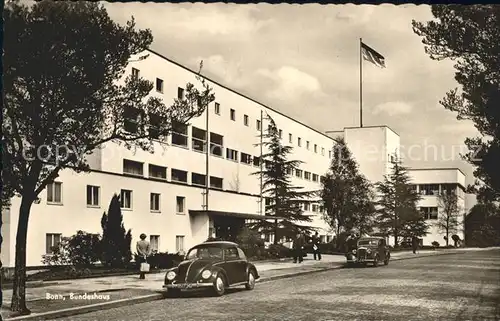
(448, 287)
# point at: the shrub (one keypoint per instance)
(455, 239)
(435, 244)
(59, 254)
(251, 243)
(84, 249)
(116, 241)
(279, 251)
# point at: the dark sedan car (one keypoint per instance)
(369, 250)
(214, 266)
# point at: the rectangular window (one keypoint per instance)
(178, 175)
(54, 193)
(315, 148)
(216, 182)
(180, 93)
(179, 134)
(133, 168)
(179, 243)
(232, 114)
(429, 189)
(135, 73)
(307, 145)
(298, 173)
(159, 85)
(449, 188)
(126, 199)
(307, 207)
(246, 159)
(155, 125)
(258, 124)
(322, 151)
(199, 140)
(198, 179)
(92, 195)
(268, 201)
(231, 154)
(299, 142)
(314, 208)
(429, 213)
(156, 171)
(51, 240)
(256, 161)
(280, 134)
(216, 144)
(290, 138)
(131, 119)
(154, 242)
(154, 201)
(315, 177)
(217, 108)
(307, 175)
(180, 202)
(329, 154)
(245, 120)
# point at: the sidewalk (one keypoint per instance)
(52, 298)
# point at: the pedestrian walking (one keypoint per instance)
(315, 245)
(414, 244)
(298, 247)
(143, 251)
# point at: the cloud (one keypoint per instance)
(459, 127)
(393, 108)
(230, 71)
(290, 82)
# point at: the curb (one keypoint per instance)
(159, 296)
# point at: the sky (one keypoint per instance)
(303, 60)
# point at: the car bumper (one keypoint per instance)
(368, 260)
(187, 285)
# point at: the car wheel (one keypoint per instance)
(173, 293)
(219, 285)
(251, 281)
(375, 261)
(386, 261)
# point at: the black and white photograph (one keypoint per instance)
(250, 162)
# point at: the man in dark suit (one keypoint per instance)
(315, 245)
(298, 247)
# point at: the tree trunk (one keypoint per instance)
(18, 304)
(275, 232)
(447, 236)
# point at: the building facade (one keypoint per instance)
(163, 193)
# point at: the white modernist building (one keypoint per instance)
(163, 194)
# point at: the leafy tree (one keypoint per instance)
(346, 193)
(455, 239)
(66, 94)
(116, 241)
(285, 199)
(469, 35)
(398, 215)
(482, 225)
(448, 220)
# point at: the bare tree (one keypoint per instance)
(450, 211)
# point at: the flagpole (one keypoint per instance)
(260, 160)
(360, 83)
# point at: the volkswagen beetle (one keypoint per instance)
(369, 250)
(213, 266)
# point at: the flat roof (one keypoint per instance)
(437, 169)
(236, 215)
(238, 93)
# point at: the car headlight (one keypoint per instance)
(206, 274)
(368, 251)
(353, 251)
(170, 275)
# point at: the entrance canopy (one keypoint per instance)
(235, 215)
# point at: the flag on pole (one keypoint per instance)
(372, 56)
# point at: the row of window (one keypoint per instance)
(232, 116)
(55, 196)
(436, 189)
(307, 207)
(53, 239)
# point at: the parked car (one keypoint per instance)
(213, 266)
(369, 250)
